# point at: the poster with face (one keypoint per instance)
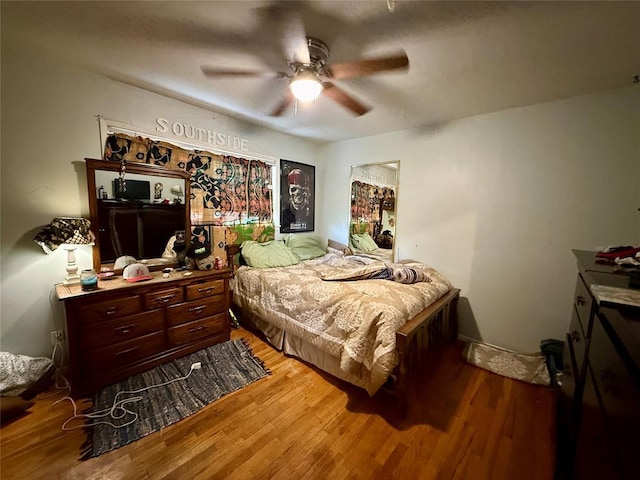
(297, 197)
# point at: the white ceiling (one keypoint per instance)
(466, 58)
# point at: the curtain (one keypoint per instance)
(225, 190)
(230, 191)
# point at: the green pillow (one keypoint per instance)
(363, 242)
(268, 254)
(305, 247)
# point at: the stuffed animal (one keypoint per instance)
(199, 257)
(206, 263)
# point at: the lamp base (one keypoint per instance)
(71, 280)
(72, 276)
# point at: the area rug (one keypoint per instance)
(225, 367)
(530, 368)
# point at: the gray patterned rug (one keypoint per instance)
(530, 368)
(226, 367)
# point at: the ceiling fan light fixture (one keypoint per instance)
(306, 86)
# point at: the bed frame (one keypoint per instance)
(436, 324)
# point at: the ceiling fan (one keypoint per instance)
(311, 76)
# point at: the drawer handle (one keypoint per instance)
(197, 310)
(112, 310)
(165, 299)
(205, 291)
(126, 329)
(127, 352)
(580, 300)
(575, 336)
(197, 329)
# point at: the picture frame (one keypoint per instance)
(297, 197)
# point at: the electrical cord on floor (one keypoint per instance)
(118, 410)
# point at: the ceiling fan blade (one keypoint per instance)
(234, 72)
(282, 106)
(344, 99)
(367, 67)
(294, 40)
(288, 23)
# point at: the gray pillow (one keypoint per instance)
(19, 372)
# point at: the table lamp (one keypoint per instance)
(66, 232)
(177, 191)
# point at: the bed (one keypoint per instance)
(363, 320)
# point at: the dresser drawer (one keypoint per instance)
(108, 309)
(124, 354)
(578, 341)
(198, 329)
(205, 289)
(619, 393)
(96, 335)
(583, 302)
(567, 381)
(594, 453)
(189, 311)
(161, 298)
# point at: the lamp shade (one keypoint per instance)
(65, 230)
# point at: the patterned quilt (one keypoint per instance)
(354, 321)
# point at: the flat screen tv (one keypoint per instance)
(134, 190)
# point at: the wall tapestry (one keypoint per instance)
(366, 201)
(297, 197)
(230, 196)
(224, 189)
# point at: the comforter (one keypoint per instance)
(354, 321)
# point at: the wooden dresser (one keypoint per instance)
(125, 328)
(599, 395)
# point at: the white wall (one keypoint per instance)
(496, 202)
(49, 126)
(375, 175)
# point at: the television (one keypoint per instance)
(139, 190)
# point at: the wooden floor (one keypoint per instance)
(299, 423)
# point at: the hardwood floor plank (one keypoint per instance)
(463, 423)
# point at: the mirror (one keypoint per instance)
(138, 215)
(374, 192)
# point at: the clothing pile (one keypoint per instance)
(623, 255)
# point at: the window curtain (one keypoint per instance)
(230, 191)
(225, 190)
(230, 200)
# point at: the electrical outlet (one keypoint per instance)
(57, 337)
